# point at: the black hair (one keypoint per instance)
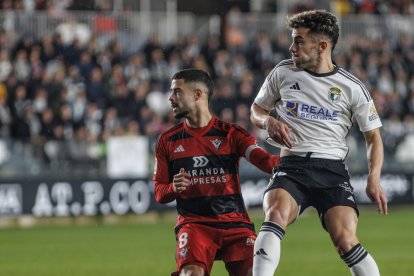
(196, 75)
(318, 22)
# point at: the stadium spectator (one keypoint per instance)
(312, 170)
(5, 113)
(96, 90)
(193, 168)
(71, 30)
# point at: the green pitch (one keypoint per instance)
(147, 248)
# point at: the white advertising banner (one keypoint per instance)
(127, 156)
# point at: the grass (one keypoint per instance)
(147, 248)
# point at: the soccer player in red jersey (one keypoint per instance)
(197, 164)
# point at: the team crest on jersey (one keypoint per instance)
(183, 252)
(216, 143)
(334, 94)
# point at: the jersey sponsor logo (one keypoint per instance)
(292, 108)
(373, 114)
(250, 241)
(200, 161)
(334, 94)
(259, 252)
(216, 143)
(347, 187)
(280, 174)
(295, 86)
(180, 148)
(310, 112)
(207, 176)
(351, 198)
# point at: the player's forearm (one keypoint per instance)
(259, 116)
(164, 193)
(263, 160)
(375, 153)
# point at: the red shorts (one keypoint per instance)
(200, 245)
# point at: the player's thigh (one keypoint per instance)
(280, 206)
(237, 250)
(240, 268)
(341, 223)
(196, 245)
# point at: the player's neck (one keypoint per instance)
(199, 120)
(324, 66)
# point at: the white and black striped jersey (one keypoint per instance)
(318, 107)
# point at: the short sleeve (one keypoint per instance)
(367, 116)
(242, 140)
(269, 92)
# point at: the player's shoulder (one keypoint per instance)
(283, 67)
(286, 63)
(357, 86)
(349, 77)
(226, 127)
(171, 132)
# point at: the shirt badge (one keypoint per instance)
(216, 143)
(334, 94)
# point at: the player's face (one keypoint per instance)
(304, 49)
(181, 98)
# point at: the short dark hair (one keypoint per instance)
(196, 75)
(318, 22)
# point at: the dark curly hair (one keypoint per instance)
(319, 22)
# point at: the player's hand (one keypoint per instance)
(181, 181)
(376, 194)
(279, 132)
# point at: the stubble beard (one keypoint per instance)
(307, 63)
(182, 114)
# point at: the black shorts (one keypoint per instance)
(321, 183)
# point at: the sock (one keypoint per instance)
(267, 249)
(360, 262)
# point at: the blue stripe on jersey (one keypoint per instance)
(357, 81)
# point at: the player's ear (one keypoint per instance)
(198, 93)
(323, 45)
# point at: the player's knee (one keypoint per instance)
(192, 270)
(277, 215)
(344, 241)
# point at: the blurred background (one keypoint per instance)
(84, 88)
(83, 98)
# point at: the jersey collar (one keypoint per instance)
(333, 72)
(200, 131)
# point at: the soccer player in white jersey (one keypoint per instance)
(315, 102)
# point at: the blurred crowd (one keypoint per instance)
(384, 7)
(82, 93)
(377, 7)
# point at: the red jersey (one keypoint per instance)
(210, 155)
